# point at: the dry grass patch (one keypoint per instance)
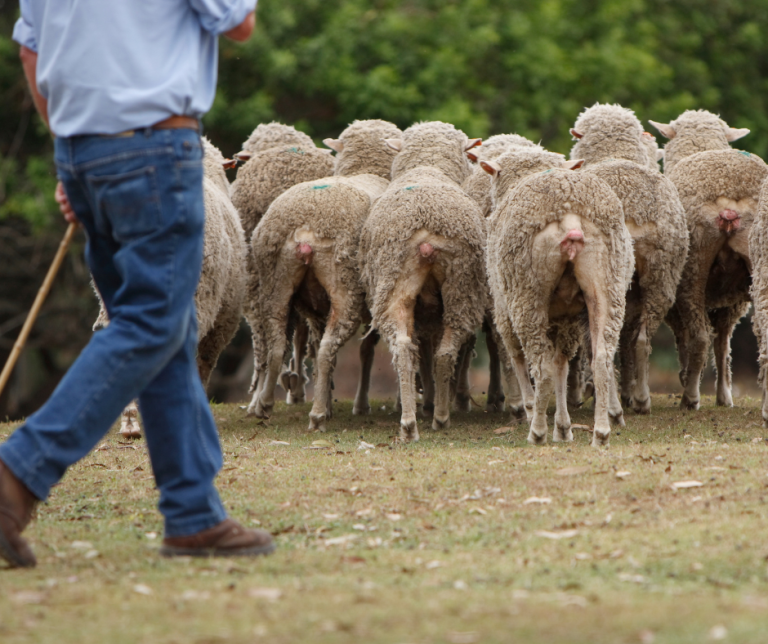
(468, 536)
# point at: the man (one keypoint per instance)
(123, 84)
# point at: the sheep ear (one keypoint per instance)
(472, 156)
(735, 133)
(575, 134)
(491, 167)
(334, 144)
(243, 156)
(659, 155)
(664, 128)
(394, 144)
(472, 143)
(228, 164)
(573, 164)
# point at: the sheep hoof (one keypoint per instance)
(428, 408)
(724, 401)
(601, 439)
(626, 401)
(294, 399)
(261, 410)
(463, 402)
(517, 412)
(687, 403)
(130, 431)
(438, 424)
(316, 422)
(493, 408)
(409, 430)
(765, 422)
(361, 409)
(618, 419)
(536, 439)
(642, 407)
(562, 434)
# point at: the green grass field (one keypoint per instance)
(470, 535)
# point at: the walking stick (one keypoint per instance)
(41, 295)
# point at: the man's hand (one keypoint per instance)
(243, 31)
(64, 205)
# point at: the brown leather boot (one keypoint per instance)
(17, 504)
(227, 539)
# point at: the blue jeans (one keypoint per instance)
(140, 200)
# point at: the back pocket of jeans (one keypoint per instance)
(128, 204)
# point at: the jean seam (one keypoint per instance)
(126, 156)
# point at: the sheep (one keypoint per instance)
(276, 157)
(610, 140)
(304, 255)
(422, 263)
(758, 253)
(652, 150)
(221, 290)
(557, 248)
(719, 188)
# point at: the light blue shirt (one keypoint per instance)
(106, 66)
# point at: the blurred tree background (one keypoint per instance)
(526, 66)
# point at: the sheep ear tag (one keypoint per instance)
(575, 134)
(394, 144)
(664, 128)
(735, 133)
(491, 167)
(334, 144)
(573, 164)
(472, 143)
(228, 164)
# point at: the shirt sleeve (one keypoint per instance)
(219, 16)
(23, 32)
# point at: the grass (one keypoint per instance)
(467, 536)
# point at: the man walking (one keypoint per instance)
(123, 84)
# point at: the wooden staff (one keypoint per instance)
(41, 295)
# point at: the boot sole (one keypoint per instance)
(256, 551)
(11, 556)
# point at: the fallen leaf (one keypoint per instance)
(478, 511)
(503, 430)
(364, 445)
(270, 594)
(571, 471)
(27, 597)
(715, 468)
(393, 517)
(635, 579)
(359, 526)
(82, 545)
(330, 517)
(622, 475)
(340, 541)
(278, 443)
(433, 564)
(565, 534)
(584, 428)
(322, 443)
(193, 595)
(683, 485)
(92, 554)
(141, 589)
(537, 499)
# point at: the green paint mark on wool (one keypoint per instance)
(746, 154)
(297, 151)
(410, 188)
(323, 187)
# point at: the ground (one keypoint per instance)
(470, 535)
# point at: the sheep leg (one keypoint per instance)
(723, 321)
(367, 352)
(445, 364)
(537, 435)
(563, 430)
(524, 381)
(641, 394)
(341, 326)
(294, 379)
(496, 398)
(627, 359)
(512, 391)
(426, 366)
(764, 383)
(575, 397)
(515, 366)
(129, 421)
(464, 360)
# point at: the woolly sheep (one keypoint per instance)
(304, 255)
(221, 290)
(421, 253)
(719, 188)
(758, 253)
(276, 157)
(558, 247)
(610, 140)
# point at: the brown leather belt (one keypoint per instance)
(176, 122)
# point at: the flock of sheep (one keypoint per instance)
(425, 235)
